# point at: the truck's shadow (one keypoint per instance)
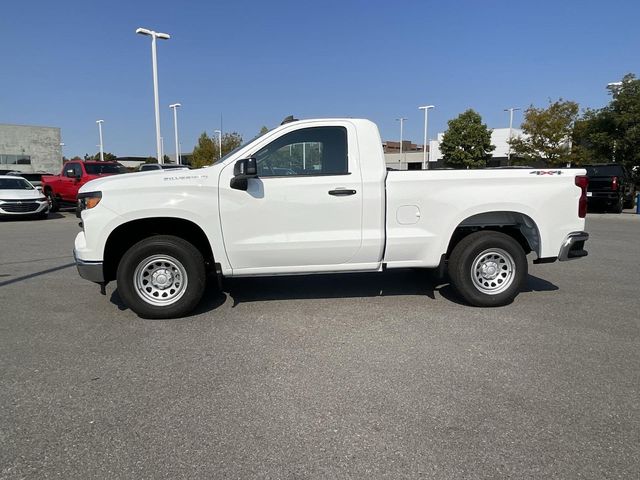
(390, 283)
(347, 285)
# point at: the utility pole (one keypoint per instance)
(154, 60)
(175, 106)
(510, 110)
(100, 122)
(401, 120)
(425, 163)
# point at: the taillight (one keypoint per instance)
(582, 181)
(614, 183)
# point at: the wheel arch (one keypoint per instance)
(517, 225)
(127, 234)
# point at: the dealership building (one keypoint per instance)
(412, 158)
(30, 149)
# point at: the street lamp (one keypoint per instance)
(154, 59)
(175, 128)
(401, 120)
(219, 132)
(425, 164)
(510, 110)
(100, 122)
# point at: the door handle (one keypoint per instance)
(342, 192)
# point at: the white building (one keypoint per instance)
(499, 138)
(413, 160)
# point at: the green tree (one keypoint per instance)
(548, 132)
(230, 141)
(467, 142)
(263, 130)
(204, 153)
(613, 132)
(151, 160)
(108, 157)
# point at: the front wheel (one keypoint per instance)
(488, 269)
(161, 277)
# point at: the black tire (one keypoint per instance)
(618, 207)
(631, 201)
(171, 267)
(54, 205)
(505, 270)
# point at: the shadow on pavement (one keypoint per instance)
(346, 285)
(36, 274)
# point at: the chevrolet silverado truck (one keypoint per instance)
(610, 185)
(62, 190)
(315, 196)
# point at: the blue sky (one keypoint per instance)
(69, 63)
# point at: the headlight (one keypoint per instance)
(87, 200)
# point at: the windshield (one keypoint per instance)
(15, 184)
(102, 169)
(604, 170)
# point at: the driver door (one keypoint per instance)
(304, 209)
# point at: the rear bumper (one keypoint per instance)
(573, 246)
(92, 271)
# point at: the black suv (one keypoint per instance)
(610, 186)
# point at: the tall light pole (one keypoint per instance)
(401, 120)
(154, 60)
(219, 132)
(175, 128)
(425, 164)
(100, 122)
(510, 110)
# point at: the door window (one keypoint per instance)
(308, 151)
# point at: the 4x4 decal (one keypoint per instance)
(546, 172)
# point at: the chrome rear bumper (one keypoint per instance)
(573, 246)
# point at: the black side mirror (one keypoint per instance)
(243, 170)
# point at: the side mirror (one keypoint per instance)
(243, 170)
(70, 173)
(39, 188)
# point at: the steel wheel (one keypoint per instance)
(493, 271)
(160, 280)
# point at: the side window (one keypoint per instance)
(77, 170)
(308, 151)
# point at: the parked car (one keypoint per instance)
(19, 198)
(62, 189)
(159, 166)
(34, 178)
(342, 212)
(610, 185)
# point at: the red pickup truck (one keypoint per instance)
(62, 190)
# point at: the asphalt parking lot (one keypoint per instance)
(333, 376)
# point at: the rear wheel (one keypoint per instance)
(54, 205)
(488, 269)
(618, 207)
(631, 201)
(161, 277)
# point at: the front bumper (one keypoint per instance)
(573, 246)
(92, 271)
(21, 208)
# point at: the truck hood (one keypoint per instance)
(149, 179)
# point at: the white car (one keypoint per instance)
(19, 198)
(339, 211)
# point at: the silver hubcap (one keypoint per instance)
(160, 280)
(493, 271)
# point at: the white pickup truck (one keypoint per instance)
(314, 196)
